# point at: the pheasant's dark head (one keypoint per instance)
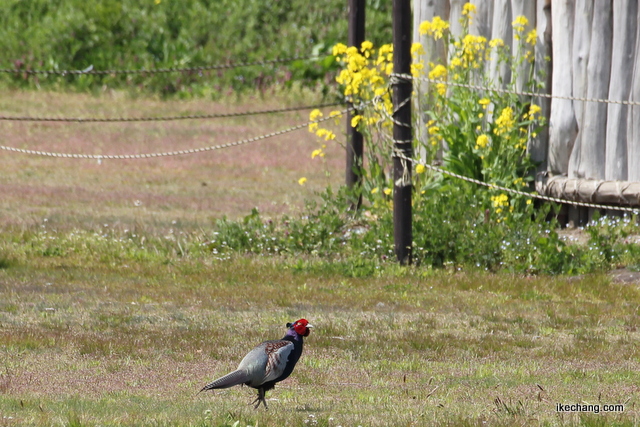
(301, 327)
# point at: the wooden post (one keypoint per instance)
(354, 138)
(402, 131)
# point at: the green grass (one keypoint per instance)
(130, 340)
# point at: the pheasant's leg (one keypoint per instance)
(260, 399)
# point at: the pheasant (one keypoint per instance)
(268, 363)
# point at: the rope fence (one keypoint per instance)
(91, 71)
(514, 191)
(165, 118)
(397, 76)
(101, 157)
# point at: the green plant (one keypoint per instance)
(148, 34)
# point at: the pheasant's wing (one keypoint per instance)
(278, 354)
(267, 362)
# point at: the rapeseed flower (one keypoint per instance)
(417, 49)
(496, 43)
(438, 72)
(505, 122)
(435, 28)
(532, 36)
(482, 141)
(500, 200)
(468, 9)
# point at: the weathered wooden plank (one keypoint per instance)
(562, 122)
(481, 23)
(591, 163)
(538, 146)
(455, 13)
(501, 29)
(623, 193)
(633, 121)
(624, 41)
(526, 8)
(580, 61)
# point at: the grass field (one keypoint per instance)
(105, 319)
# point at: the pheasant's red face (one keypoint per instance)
(302, 327)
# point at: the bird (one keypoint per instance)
(267, 364)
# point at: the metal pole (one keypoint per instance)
(354, 138)
(402, 130)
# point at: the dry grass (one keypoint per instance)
(191, 189)
(94, 334)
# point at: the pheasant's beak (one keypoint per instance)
(309, 325)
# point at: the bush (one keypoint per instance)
(148, 34)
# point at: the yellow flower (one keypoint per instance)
(337, 115)
(388, 69)
(482, 141)
(455, 62)
(529, 201)
(435, 28)
(471, 47)
(420, 168)
(500, 200)
(433, 130)
(496, 43)
(316, 153)
(302, 180)
(315, 115)
(533, 110)
(505, 122)
(339, 49)
(375, 190)
(387, 191)
(468, 9)
(385, 49)
(519, 23)
(441, 88)
(417, 49)
(366, 46)
(326, 134)
(532, 36)
(484, 102)
(416, 69)
(437, 72)
(355, 120)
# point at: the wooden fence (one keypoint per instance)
(594, 47)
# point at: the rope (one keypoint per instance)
(90, 70)
(167, 118)
(101, 157)
(513, 92)
(513, 191)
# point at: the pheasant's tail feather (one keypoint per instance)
(229, 380)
